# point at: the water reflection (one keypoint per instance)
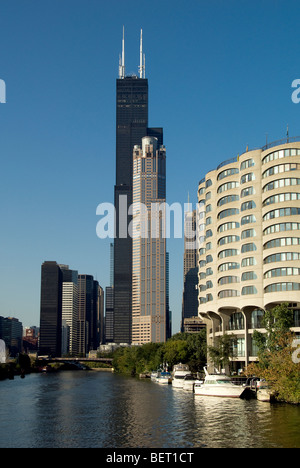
(91, 409)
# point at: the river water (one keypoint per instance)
(99, 409)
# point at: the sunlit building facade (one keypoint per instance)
(149, 280)
(249, 243)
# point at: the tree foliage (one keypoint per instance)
(276, 363)
(183, 347)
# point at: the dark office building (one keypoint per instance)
(131, 127)
(51, 309)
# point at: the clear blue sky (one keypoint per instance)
(220, 75)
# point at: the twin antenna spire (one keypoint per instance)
(142, 67)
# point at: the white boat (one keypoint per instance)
(218, 385)
(164, 378)
(179, 373)
(154, 376)
(189, 382)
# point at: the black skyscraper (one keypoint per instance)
(51, 309)
(131, 127)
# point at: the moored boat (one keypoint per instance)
(218, 385)
(180, 371)
(189, 382)
(164, 378)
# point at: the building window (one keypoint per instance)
(228, 240)
(228, 293)
(282, 257)
(280, 169)
(228, 253)
(282, 242)
(228, 226)
(247, 178)
(227, 173)
(248, 276)
(238, 348)
(251, 247)
(248, 261)
(227, 186)
(247, 191)
(229, 266)
(282, 197)
(281, 212)
(248, 219)
(249, 205)
(248, 233)
(276, 272)
(281, 228)
(228, 199)
(246, 164)
(257, 317)
(275, 184)
(279, 287)
(228, 280)
(249, 290)
(281, 154)
(208, 183)
(228, 212)
(236, 321)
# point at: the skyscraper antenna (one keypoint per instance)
(142, 58)
(122, 59)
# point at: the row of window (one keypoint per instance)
(279, 183)
(234, 293)
(282, 257)
(281, 212)
(287, 271)
(282, 197)
(281, 154)
(280, 168)
(250, 261)
(247, 290)
(277, 287)
(282, 242)
(281, 227)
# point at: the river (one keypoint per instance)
(87, 409)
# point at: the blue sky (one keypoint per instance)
(220, 75)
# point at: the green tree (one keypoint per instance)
(222, 353)
(275, 355)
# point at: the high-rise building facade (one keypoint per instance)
(51, 309)
(70, 310)
(249, 243)
(131, 127)
(149, 243)
(190, 269)
(11, 331)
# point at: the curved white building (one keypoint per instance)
(249, 243)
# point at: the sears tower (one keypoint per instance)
(131, 127)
